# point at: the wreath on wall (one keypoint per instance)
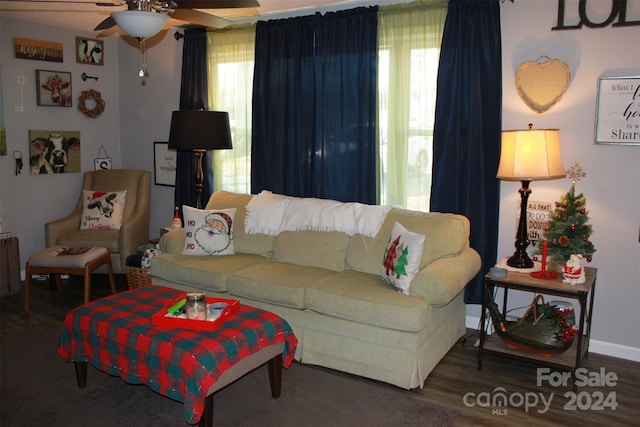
(94, 96)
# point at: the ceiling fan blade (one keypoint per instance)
(107, 23)
(108, 4)
(199, 18)
(216, 4)
(122, 3)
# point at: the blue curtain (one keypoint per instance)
(314, 106)
(466, 142)
(193, 96)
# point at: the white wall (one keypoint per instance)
(28, 201)
(145, 112)
(612, 184)
(613, 172)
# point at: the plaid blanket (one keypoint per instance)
(115, 335)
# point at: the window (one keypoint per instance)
(409, 38)
(230, 75)
(409, 50)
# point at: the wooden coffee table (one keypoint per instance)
(115, 335)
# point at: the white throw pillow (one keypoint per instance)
(402, 257)
(102, 209)
(208, 232)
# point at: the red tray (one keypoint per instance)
(159, 318)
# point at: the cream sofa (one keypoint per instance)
(328, 286)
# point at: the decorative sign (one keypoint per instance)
(104, 162)
(618, 111)
(618, 10)
(164, 161)
(542, 83)
(537, 219)
(39, 50)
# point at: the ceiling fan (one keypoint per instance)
(145, 16)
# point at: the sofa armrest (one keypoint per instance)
(443, 279)
(133, 233)
(172, 242)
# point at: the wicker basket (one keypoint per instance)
(137, 277)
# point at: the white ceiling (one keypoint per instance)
(83, 17)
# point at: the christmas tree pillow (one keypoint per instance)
(402, 258)
(102, 209)
(208, 232)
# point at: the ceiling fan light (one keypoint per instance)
(138, 23)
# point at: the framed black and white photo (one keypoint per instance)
(89, 51)
(53, 88)
(618, 111)
(164, 164)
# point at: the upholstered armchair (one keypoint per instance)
(73, 231)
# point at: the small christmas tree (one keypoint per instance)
(568, 230)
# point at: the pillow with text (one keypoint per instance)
(208, 232)
(102, 209)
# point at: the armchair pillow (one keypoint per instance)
(102, 209)
(402, 258)
(208, 232)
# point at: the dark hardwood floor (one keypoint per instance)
(455, 383)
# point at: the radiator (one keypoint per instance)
(10, 266)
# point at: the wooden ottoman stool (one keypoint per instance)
(59, 260)
(117, 335)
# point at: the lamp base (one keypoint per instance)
(520, 260)
(544, 274)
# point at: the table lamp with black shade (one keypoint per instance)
(528, 155)
(200, 131)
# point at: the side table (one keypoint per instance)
(583, 293)
(9, 266)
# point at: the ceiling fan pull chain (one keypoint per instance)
(143, 67)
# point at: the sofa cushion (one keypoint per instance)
(102, 209)
(275, 282)
(202, 271)
(445, 234)
(324, 249)
(365, 298)
(261, 244)
(208, 232)
(401, 261)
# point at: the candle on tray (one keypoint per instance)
(544, 256)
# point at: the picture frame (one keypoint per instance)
(41, 141)
(618, 111)
(164, 164)
(53, 88)
(89, 51)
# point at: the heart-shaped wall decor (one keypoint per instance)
(542, 84)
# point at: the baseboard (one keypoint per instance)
(595, 346)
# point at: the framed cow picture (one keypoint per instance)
(89, 51)
(53, 88)
(54, 151)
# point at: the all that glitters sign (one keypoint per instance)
(537, 219)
